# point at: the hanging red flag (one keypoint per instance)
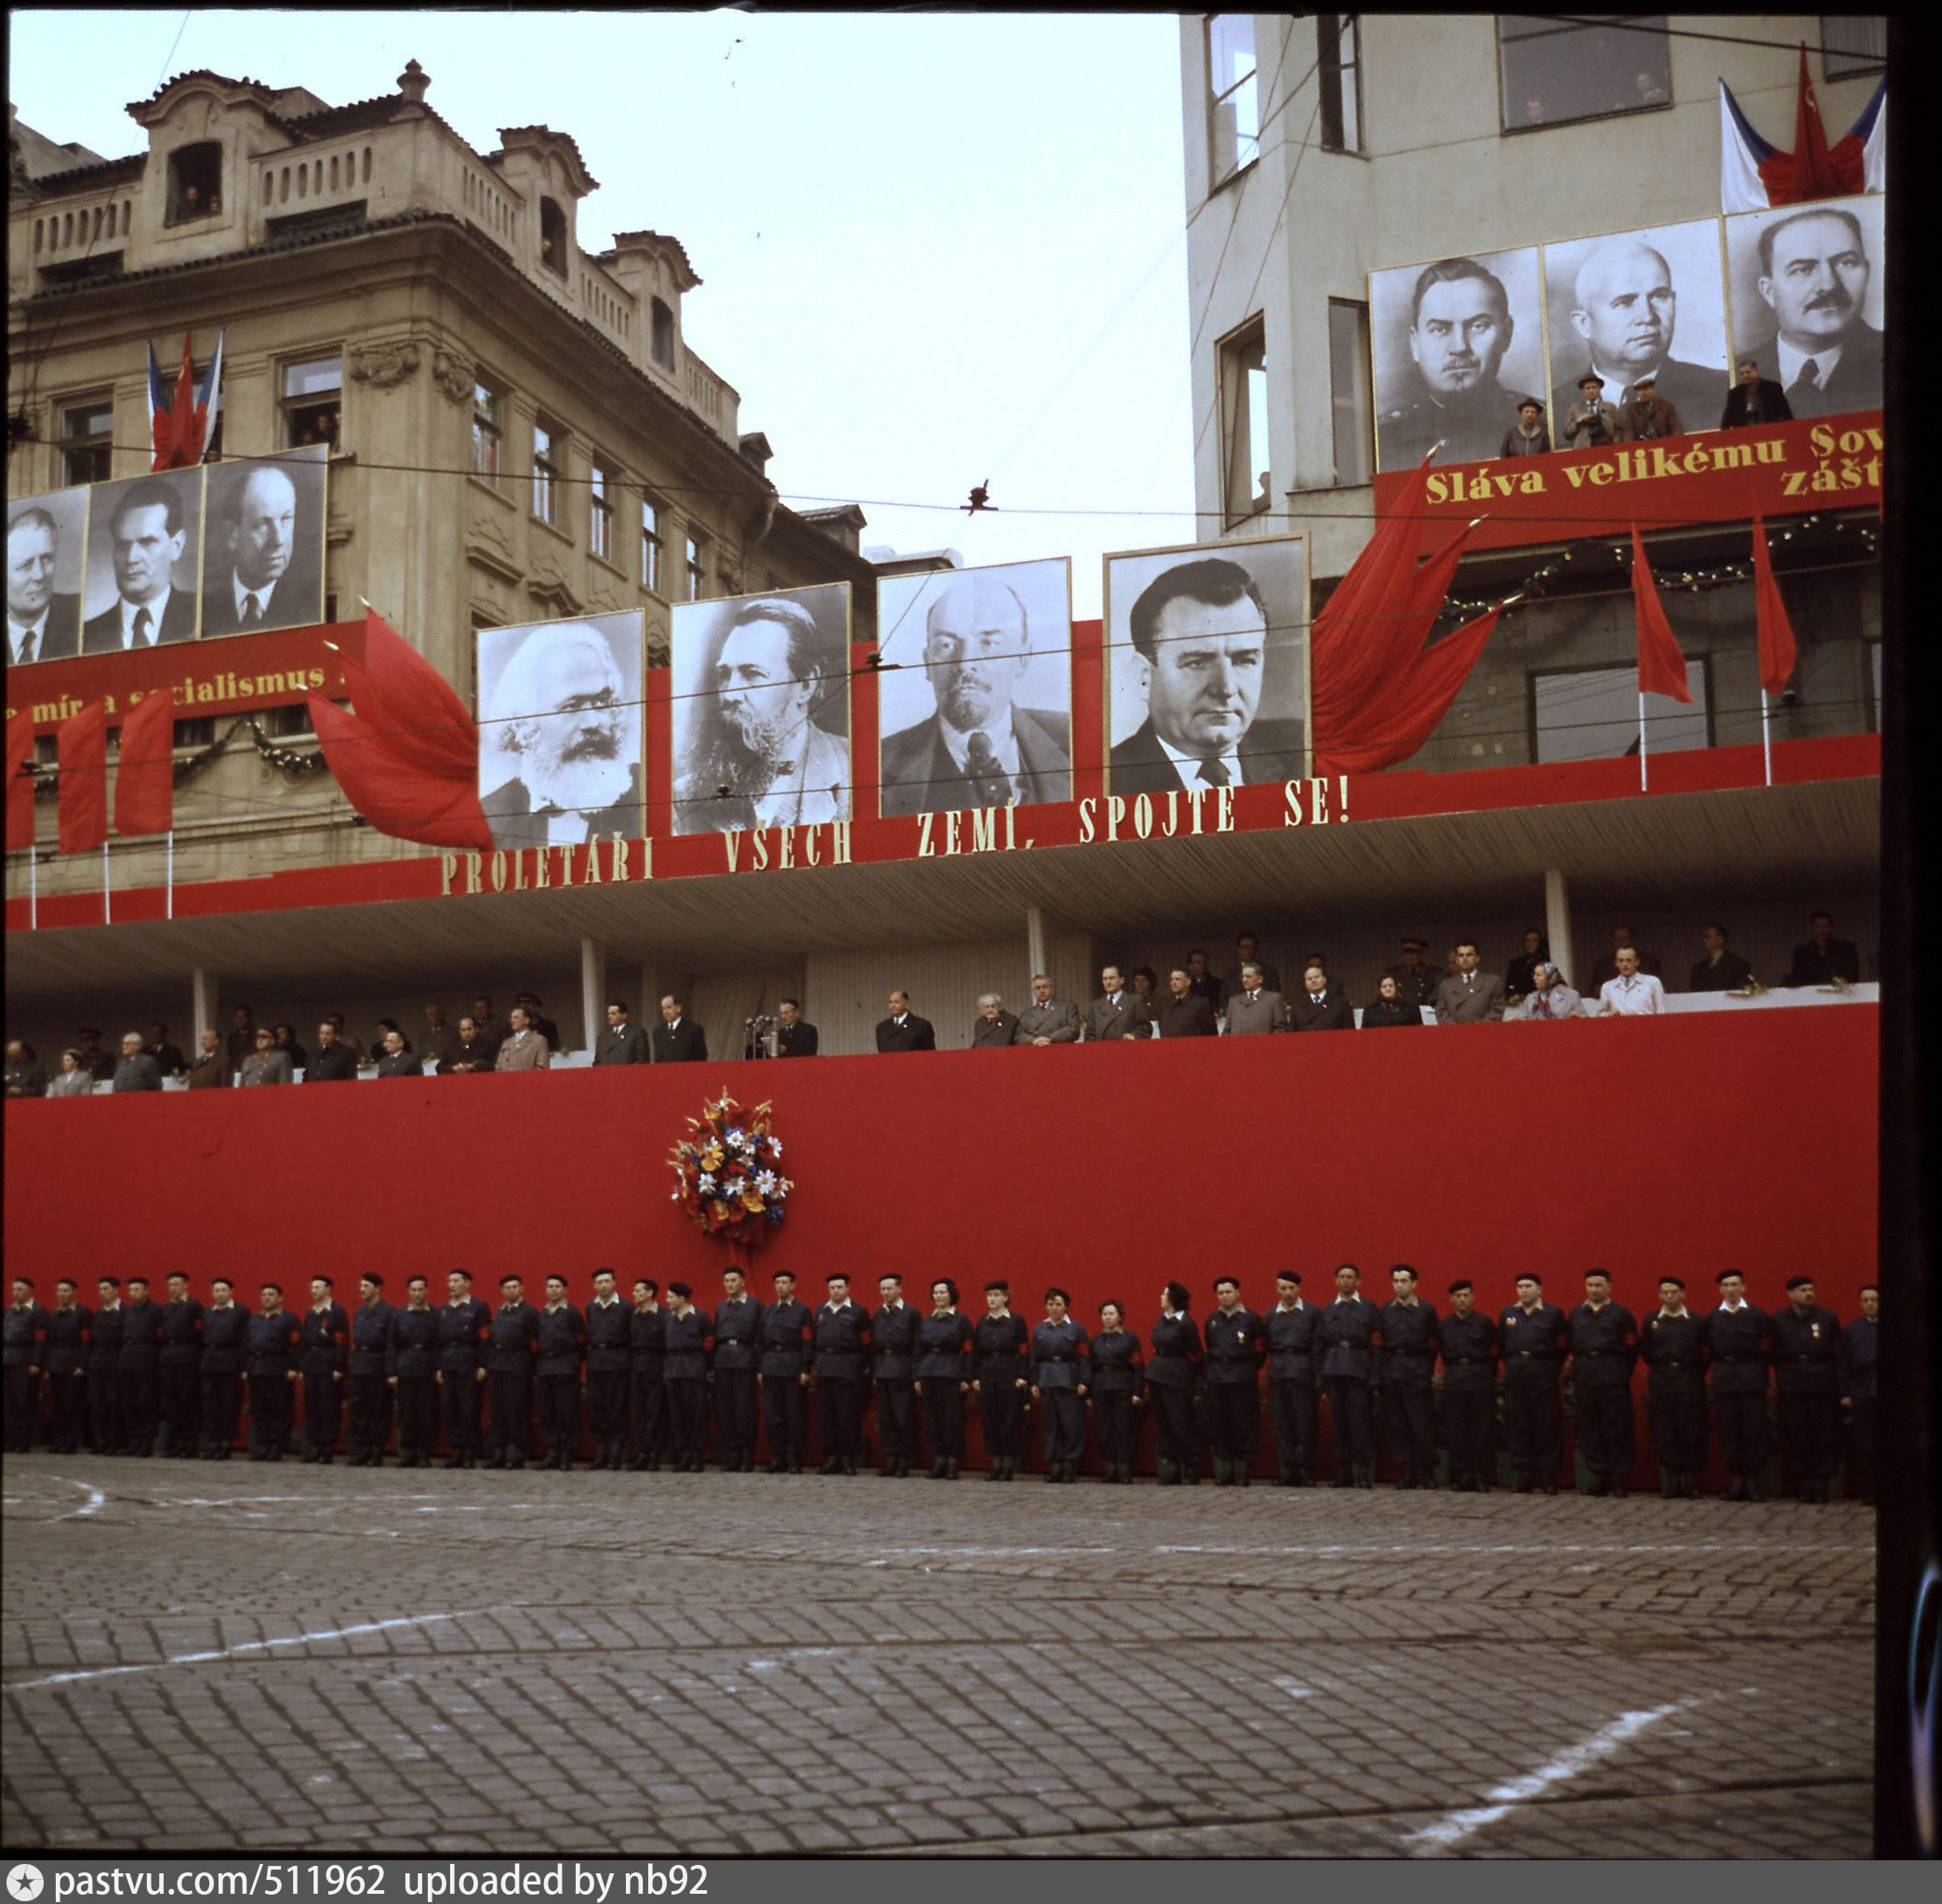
(1662, 665)
(144, 778)
(1776, 635)
(83, 743)
(19, 782)
(1813, 169)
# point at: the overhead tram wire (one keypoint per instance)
(1686, 32)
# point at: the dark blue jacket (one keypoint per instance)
(1235, 1345)
(24, 1327)
(1806, 1351)
(411, 1352)
(1116, 1368)
(370, 1337)
(687, 1339)
(1738, 1345)
(270, 1342)
(462, 1334)
(1859, 1350)
(1533, 1346)
(141, 1337)
(1176, 1349)
(326, 1341)
(560, 1338)
(1409, 1342)
(1673, 1350)
(1058, 1355)
(647, 1339)
(181, 1333)
(840, 1346)
(893, 1342)
(1347, 1333)
(738, 1336)
(786, 1329)
(64, 1347)
(609, 1335)
(1605, 1345)
(944, 1347)
(511, 1339)
(225, 1339)
(1290, 1342)
(104, 1340)
(999, 1345)
(1468, 1345)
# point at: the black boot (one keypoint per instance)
(950, 1467)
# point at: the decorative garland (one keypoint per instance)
(46, 779)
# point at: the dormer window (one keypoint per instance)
(663, 341)
(194, 183)
(553, 237)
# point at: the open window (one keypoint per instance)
(194, 183)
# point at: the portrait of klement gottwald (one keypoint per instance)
(1457, 343)
(144, 561)
(263, 543)
(761, 716)
(560, 729)
(975, 693)
(1807, 300)
(1206, 666)
(46, 550)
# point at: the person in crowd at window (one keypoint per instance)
(1549, 998)
(335, 1059)
(283, 1037)
(1390, 1008)
(1633, 993)
(1646, 414)
(471, 1050)
(944, 1339)
(1592, 423)
(395, 1060)
(1320, 1006)
(1517, 974)
(74, 1079)
(1460, 326)
(994, 1025)
(138, 1070)
(1117, 1385)
(267, 1064)
(1170, 1375)
(147, 531)
(24, 1076)
(344, 1037)
(1526, 436)
(261, 575)
(1470, 996)
(209, 1069)
(525, 1050)
(795, 1036)
(678, 1039)
(487, 1026)
(1253, 1005)
(1753, 399)
(1813, 274)
(1824, 958)
(1626, 311)
(1721, 969)
(42, 623)
(1247, 952)
(99, 1061)
(1607, 967)
(1182, 1013)
(1046, 1019)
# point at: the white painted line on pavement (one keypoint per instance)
(1456, 1826)
(96, 1499)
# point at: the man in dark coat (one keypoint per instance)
(139, 1365)
(999, 1380)
(839, 1353)
(1721, 969)
(371, 1373)
(1531, 1338)
(1739, 1342)
(795, 1036)
(738, 1360)
(1236, 1341)
(1861, 1350)
(646, 1377)
(65, 1348)
(26, 1322)
(787, 1326)
(1409, 1343)
(1293, 1398)
(509, 1377)
(270, 1340)
(180, 1368)
(622, 1041)
(464, 1328)
(994, 1025)
(1604, 1346)
(1754, 399)
(1345, 1340)
(1183, 1013)
(678, 1039)
(1467, 1341)
(1806, 1340)
(610, 1350)
(1320, 1006)
(892, 1356)
(1824, 958)
(106, 1433)
(559, 1348)
(903, 1029)
(326, 1361)
(411, 1373)
(1673, 1346)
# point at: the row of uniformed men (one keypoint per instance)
(648, 1371)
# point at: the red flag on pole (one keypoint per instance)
(144, 780)
(1662, 665)
(1776, 635)
(1813, 169)
(19, 783)
(83, 741)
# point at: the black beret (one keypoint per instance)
(1287, 1276)
(1677, 1282)
(1799, 1283)
(1724, 1273)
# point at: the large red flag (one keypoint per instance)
(144, 781)
(83, 741)
(19, 782)
(1813, 169)
(1776, 635)
(1662, 665)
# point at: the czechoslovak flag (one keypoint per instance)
(179, 431)
(1755, 174)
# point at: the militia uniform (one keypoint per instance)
(1117, 1380)
(1807, 1393)
(1673, 1350)
(1737, 1341)
(1604, 1346)
(411, 1362)
(1235, 1341)
(1176, 1347)
(135, 1374)
(893, 1343)
(180, 1375)
(25, 1321)
(270, 1344)
(943, 1368)
(839, 1349)
(738, 1358)
(104, 1340)
(786, 1329)
(1345, 1334)
(1468, 1345)
(1058, 1351)
(560, 1342)
(326, 1355)
(1532, 1343)
(1294, 1401)
(225, 1344)
(1408, 1367)
(998, 1347)
(647, 1382)
(464, 1328)
(1860, 1349)
(509, 1384)
(65, 1357)
(371, 1385)
(609, 1331)
(685, 1376)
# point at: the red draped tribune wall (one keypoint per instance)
(1679, 1144)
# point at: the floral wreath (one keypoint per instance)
(728, 1172)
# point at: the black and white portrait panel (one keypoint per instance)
(1457, 343)
(144, 561)
(761, 710)
(560, 727)
(263, 543)
(1207, 669)
(1638, 304)
(45, 548)
(1807, 300)
(975, 699)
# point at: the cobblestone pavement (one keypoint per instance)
(201, 1658)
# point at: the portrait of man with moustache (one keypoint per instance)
(1804, 321)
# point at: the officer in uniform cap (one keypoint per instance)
(559, 1343)
(509, 1377)
(1859, 1350)
(1058, 1378)
(1294, 1401)
(787, 1324)
(464, 1328)
(180, 1368)
(1236, 1342)
(1806, 1340)
(370, 1370)
(1604, 1346)
(1532, 1336)
(1468, 1340)
(1416, 982)
(271, 1338)
(738, 1357)
(1738, 1342)
(1673, 1346)
(326, 1355)
(1409, 1340)
(609, 1344)
(893, 1354)
(225, 1343)
(647, 1377)
(412, 1372)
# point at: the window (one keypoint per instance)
(1234, 113)
(197, 732)
(1348, 391)
(287, 722)
(694, 577)
(1553, 73)
(312, 402)
(600, 513)
(650, 546)
(1338, 70)
(1853, 43)
(549, 452)
(663, 335)
(553, 237)
(487, 410)
(1244, 422)
(88, 440)
(194, 183)
(1592, 713)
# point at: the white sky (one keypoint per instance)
(911, 229)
